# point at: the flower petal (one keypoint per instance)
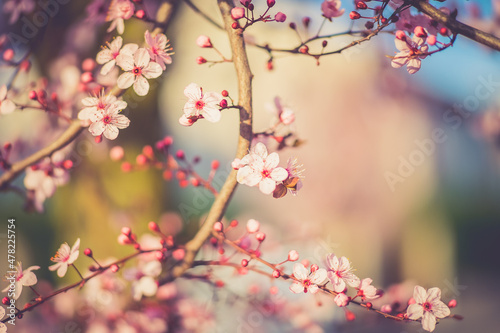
(419, 295)
(141, 57)
(141, 86)
(279, 174)
(415, 311)
(267, 186)
(213, 115)
(428, 322)
(299, 271)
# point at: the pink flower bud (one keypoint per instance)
(141, 159)
(140, 14)
(431, 40)
(201, 60)
(273, 290)
(88, 252)
(411, 301)
(33, 95)
(86, 77)
(25, 65)
(203, 41)
(98, 139)
(293, 255)
(401, 35)
(354, 15)
(8, 55)
(341, 299)
(148, 151)
(126, 231)
(304, 49)
(287, 116)
(178, 254)
(168, 140)
(361, 5)
(244, 262)
(5, 300)
(234, 223)
(314, 268)
(237, 13)
(306, 21)
(253, 226)
(218, 226)
(88, 65)
(153, 226)
(260, 236)
(67, 164)
(420, 32)
(280, 17)
(452, 303)
(276, 274)
(271, 3)
(386, 308)
(124, 240)
(114, 268)
(116, 153)
(215, 164)
(126, 167)
(223, 104)
(349, 316)
(236, 164)
(159, 255)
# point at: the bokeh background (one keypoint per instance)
(360, 119)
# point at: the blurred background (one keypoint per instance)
(398, 177)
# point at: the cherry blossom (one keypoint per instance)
(119, 10)
(295, 176)
(284, 113)
(307, 282)
(64, 257)
(410, 53)
(261, 169)
(366, 290)
(99, 103)
(428, 306)
(23, 278)
(340, 273)
(6, 105)
(107, 122)
(201, 105)
(44, 177)
(137, 69)
(159, 49)
(18, 7)
(107, 56)
(331, 9)
(144, 279)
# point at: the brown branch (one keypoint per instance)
(67, 137)
(456, 26)
(244, 76)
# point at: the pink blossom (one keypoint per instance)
(331, 9)
(307, 282)
(253, 226)
(144, 279)
(201, 104)
(116, 153)
(261, 169)
(6, 105)
(204, 41)
(44, 177)
(428, 306)
(237, 13)
(293, 255)
(366, 290)
(108, 122)
(119, 10)
(295, 175)
(159, 49)
(137, 69)
(18, 7)
(280, 17)
(98, 104)
(341, 299)
(65, 257)
(24, 278)
(107, 56)
(340, 273)
(410, 53)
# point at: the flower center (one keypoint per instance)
(137, 71)
(427, 306)
(199, 105)
(115, 54)
(106, 119)
(100, 106)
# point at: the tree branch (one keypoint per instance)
(456, 26)
(244, 76)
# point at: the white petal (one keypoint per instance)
(297, 287)
(193, 91)
(415, 311)
(260, 149)
(152, 268)
(116, 44)
(125, 61)
(319, 277)
(399, 60)
(121, 121)
(97, 128)
(7, 106)
(419, 295)
(279, 174)
(428, 322)
(125, 80)
(104, 56)
(213, 115)
(401, 45)
(110, 132)
(108, 67)
(313, 289)
(28, 279)
(299, 271)
(90, 101)
(62, 270)
(141, 86)
(440, 310)
(272, 161)
(141, 57)
(246, 175)
(267, 186)
(413, 66)
(129, 49)
(152, 71)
